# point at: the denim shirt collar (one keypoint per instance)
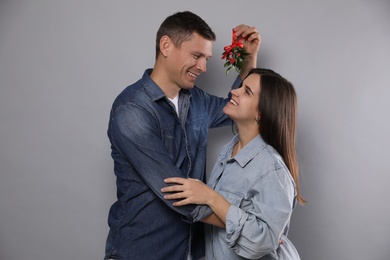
(247, 153)
(153, 90)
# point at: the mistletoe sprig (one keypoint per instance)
(234, 54)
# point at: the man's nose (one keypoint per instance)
(201, 65)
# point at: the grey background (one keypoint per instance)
(62, 63)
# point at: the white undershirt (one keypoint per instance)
(175, 102)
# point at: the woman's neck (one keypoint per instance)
(245, 135)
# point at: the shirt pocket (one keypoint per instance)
(197, 132)
(234, 197)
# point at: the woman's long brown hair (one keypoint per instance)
(278, 119)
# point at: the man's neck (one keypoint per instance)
(159, 77)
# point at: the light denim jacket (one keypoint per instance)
(262, 194)
(150, 143)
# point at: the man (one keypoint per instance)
(158, 129)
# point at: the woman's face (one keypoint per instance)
(244, 103)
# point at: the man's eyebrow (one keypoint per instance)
(201, 54)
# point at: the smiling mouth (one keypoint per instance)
(192, 74)
(233, 102)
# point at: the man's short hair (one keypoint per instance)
(180, 26)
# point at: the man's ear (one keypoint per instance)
(165, 44)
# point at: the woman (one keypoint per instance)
(253, 187)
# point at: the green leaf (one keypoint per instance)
(227, 71)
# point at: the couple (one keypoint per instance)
(158, 133)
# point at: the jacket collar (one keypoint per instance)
(153, 90)
(248, 152)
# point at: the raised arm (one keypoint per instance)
(252, 40)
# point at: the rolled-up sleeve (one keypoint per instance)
(255, 232)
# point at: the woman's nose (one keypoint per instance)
(234, 91)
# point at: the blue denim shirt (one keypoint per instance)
(150, 142)
(262, 194)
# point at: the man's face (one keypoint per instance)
(189, 60)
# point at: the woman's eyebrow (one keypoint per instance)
(249, 89)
